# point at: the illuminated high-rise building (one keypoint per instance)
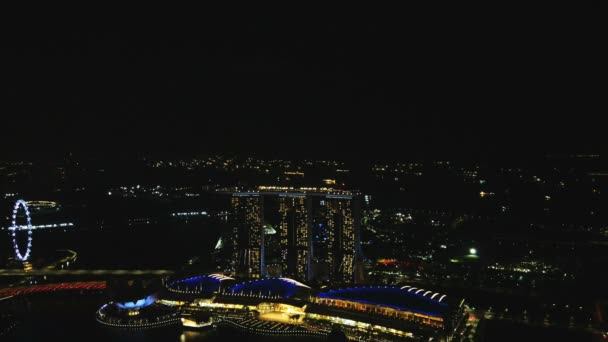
(295, 212)
(343, 244)
(248, 235)
(338, 257)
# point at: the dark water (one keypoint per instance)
(158, 246)
(71, 317)
(499, 331)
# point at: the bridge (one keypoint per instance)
(52, 269)
(10, 292)
(54, 272)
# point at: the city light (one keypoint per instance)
(270, 179)
(13, 228)
(42, 226)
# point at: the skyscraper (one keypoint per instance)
(339, 255)
(295, 211)
(248, 234)
(343, 216)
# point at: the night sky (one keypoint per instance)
(363, 89)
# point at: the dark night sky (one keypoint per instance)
(367, 89)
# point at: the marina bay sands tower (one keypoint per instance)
(341, 210)
(343, 217)
(295, 212)
(248, 234)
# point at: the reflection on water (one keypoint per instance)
(499, 331)
(71, 317)
(188, 336)
(153, 247)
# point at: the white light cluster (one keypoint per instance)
(41, 226)
(410, 289)
(291, 281)
(191, 213)
(220, 276)
(143, 326)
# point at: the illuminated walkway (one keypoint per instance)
(269, 328)
(51, 272)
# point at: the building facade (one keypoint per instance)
(295, 211)
(343, 242)
(248, 235)
(295, 215)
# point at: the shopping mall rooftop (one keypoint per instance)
(404, 298)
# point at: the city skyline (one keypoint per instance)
(359, 178)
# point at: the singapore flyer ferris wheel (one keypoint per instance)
(14, 227)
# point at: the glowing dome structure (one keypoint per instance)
(387, 311)
(405, 298)
(269, 229)
(144, 317)
(203, 284)
(134, 305)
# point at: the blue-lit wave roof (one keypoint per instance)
(282, 287)
(401, 298)
(138, 304)
(204, 283)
